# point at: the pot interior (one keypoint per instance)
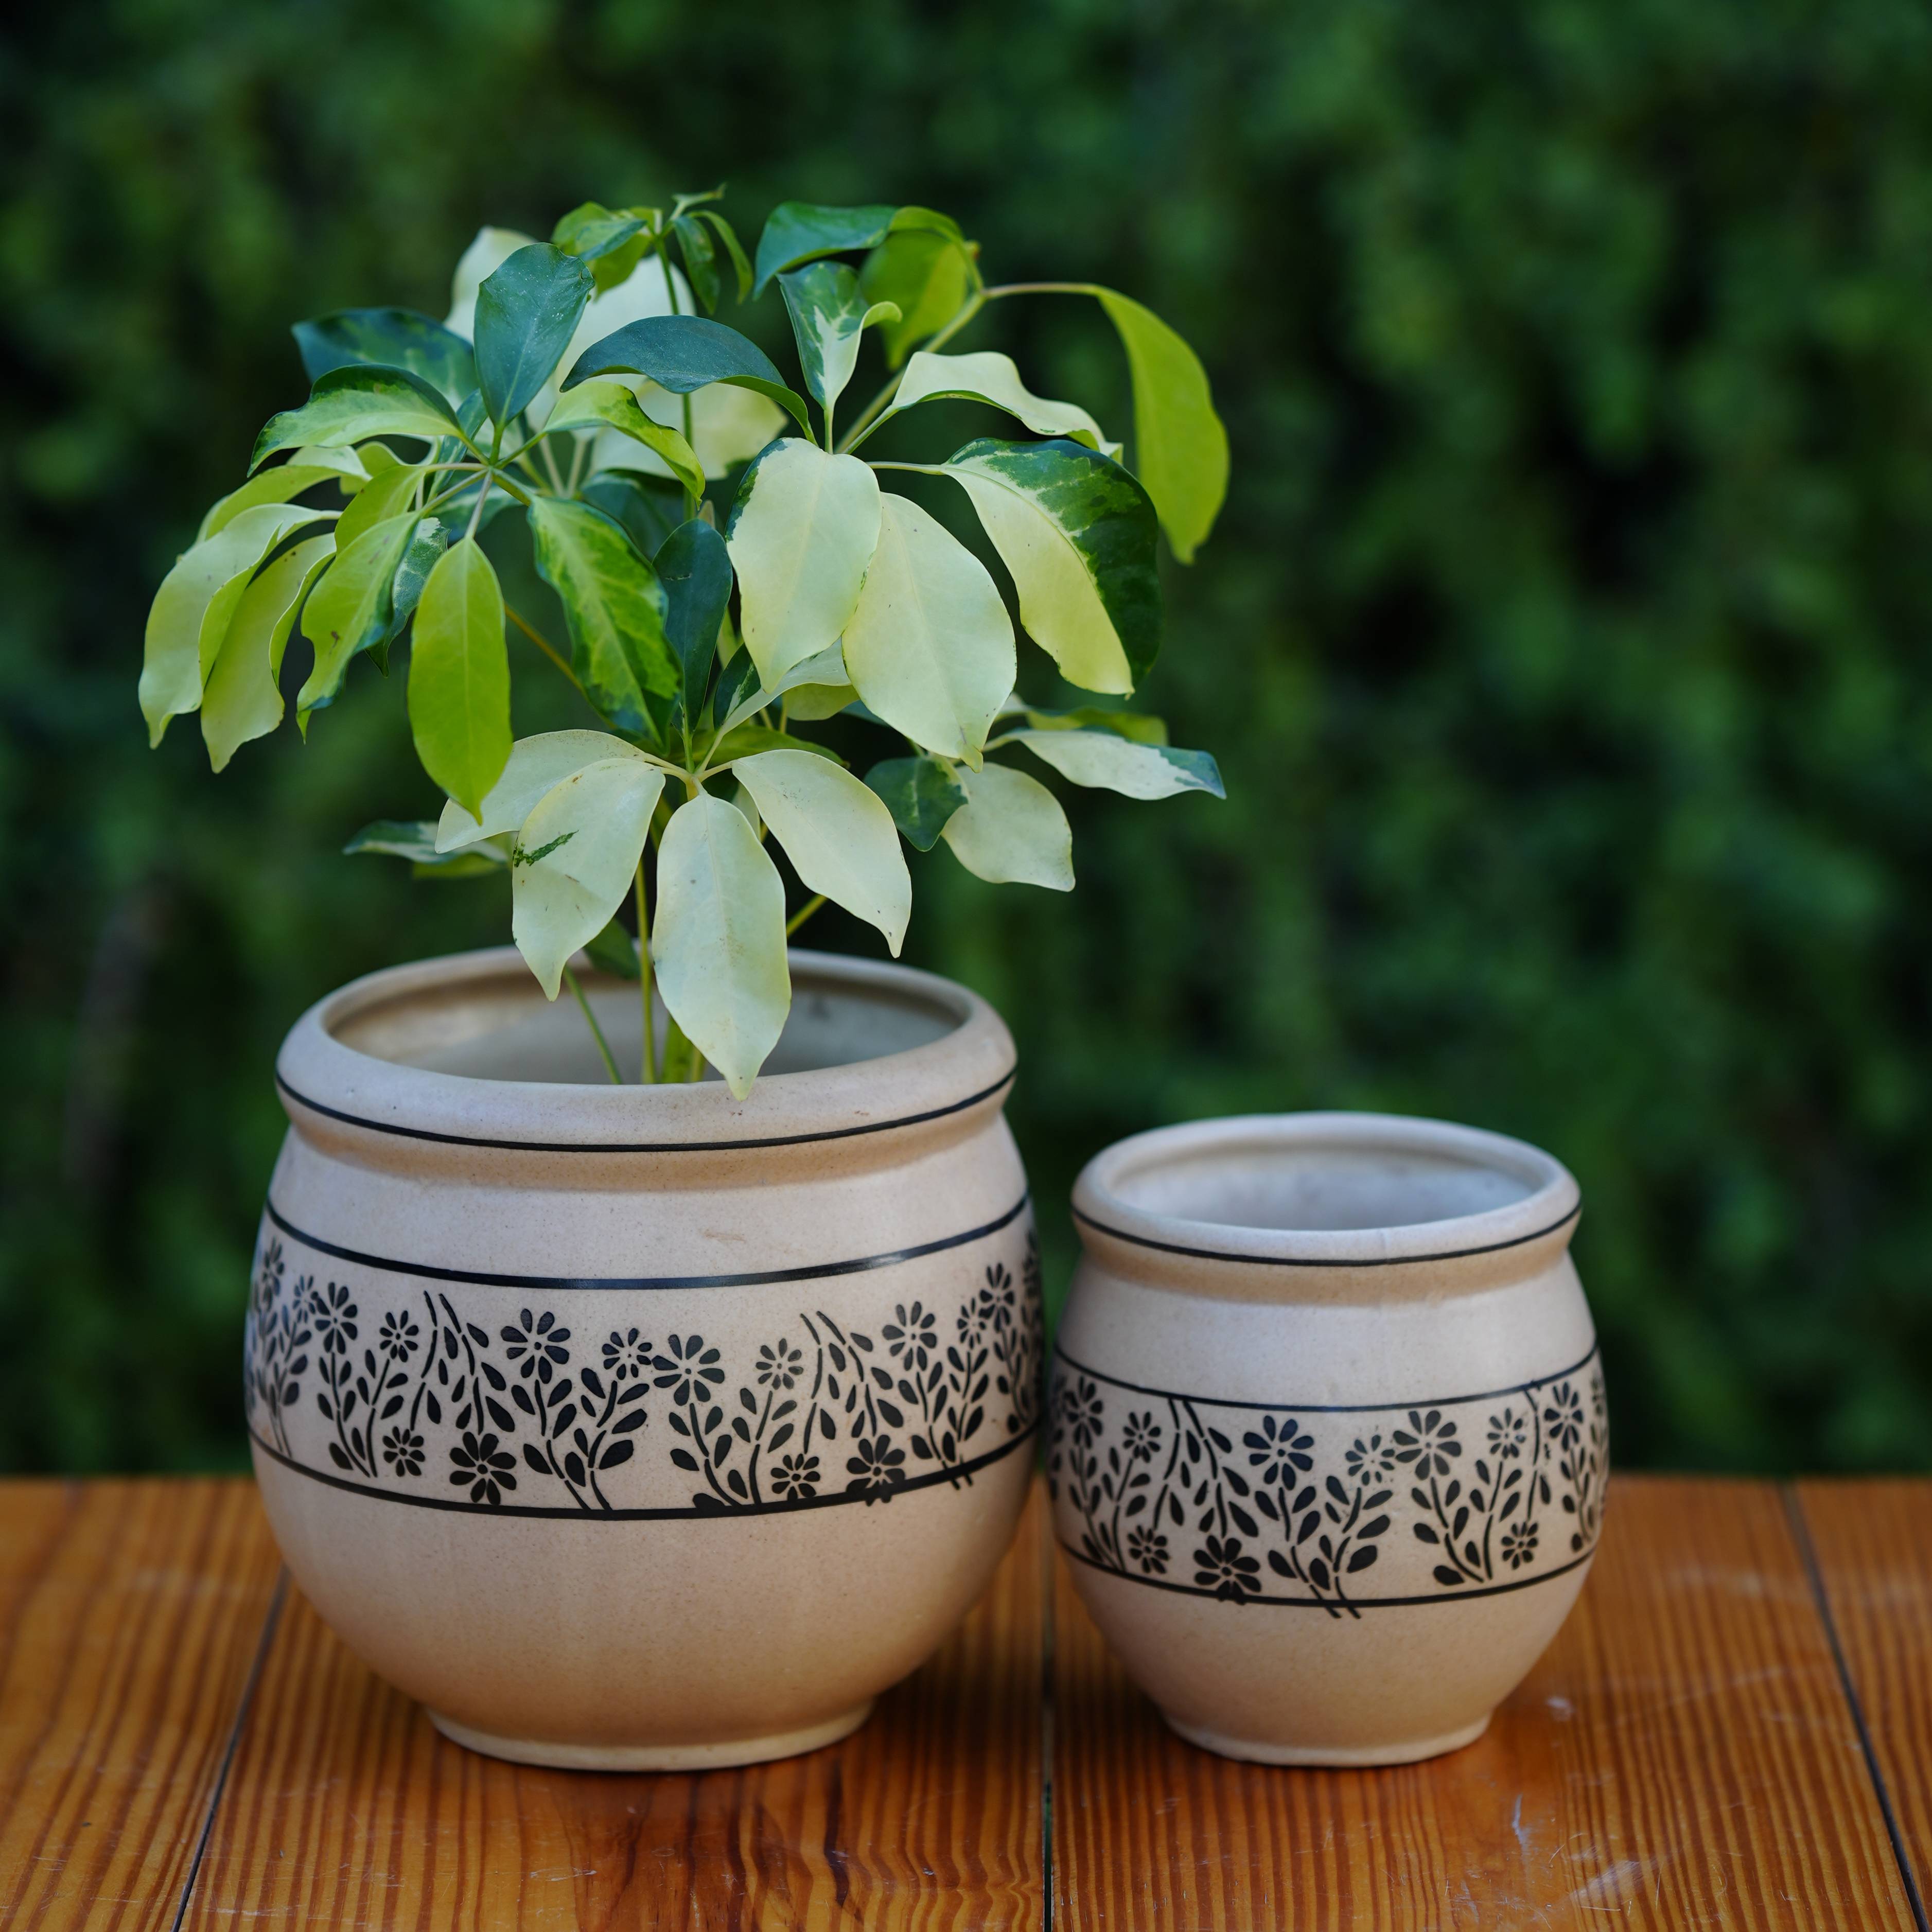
(495, 1024)
(1337, 1182)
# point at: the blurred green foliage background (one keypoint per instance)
(1564, 642)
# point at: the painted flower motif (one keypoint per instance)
(399, 1334)
(626, 1356)
(333, 1315)
(877, 1467)
(1141, 1438)
(1148, 1548)
(1081, 1409)
(268, 1283)
(780, 1365)
(996, 1298)
(913, 1335)
(1373, 1461)
(1278, 1451)
(537, 1344)
(1508, 1432)
(1563, 1417)
(1222, 1568)
(795, 1476)
(403, 1451)
(1597, 1404)
(1520, 1544)
(1428, 1443)
(690, 1371)
(484, 1466)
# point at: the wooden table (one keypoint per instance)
(1735, 1728)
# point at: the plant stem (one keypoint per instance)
(542, 643)
(649, 1053)
(803, 914)
(596, 1031)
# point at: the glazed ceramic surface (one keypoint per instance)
(638, 1426)
(1328, 1445)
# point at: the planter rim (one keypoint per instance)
(320, 1076)
(1546, 1212)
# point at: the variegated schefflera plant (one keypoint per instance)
(541, 465)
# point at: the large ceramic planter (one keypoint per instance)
(1328, 1445)
(640, 1427)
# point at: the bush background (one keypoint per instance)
(1563, 643)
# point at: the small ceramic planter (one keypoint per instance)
(1328, 1445)
(638, 1427)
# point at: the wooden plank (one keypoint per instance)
(345, 1808)
(1873, 1540)
(1682, 1756)
(130, 1614)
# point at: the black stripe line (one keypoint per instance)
(643, 1147)
(1303, 1261)
(1358, 1603)
(777, 1507)
(1800, 1531)
(548, 1283)
(1328, 1408)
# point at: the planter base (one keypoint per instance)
(655, 1757)
(1360, 1757)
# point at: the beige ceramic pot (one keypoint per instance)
(1328, 1445)
(640, 1427)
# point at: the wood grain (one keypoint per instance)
(1682, 1756)
(130, 1614)
(1873, 1540)
(345, 1809)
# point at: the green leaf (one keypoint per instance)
(1012, 830)
(487, 253)
(272, 486)
(350, 610)
(930, 647)
(425, 548)
(1138, 725)
(613, 244)
(747, 740)
(682, 353)
(613, 605)
(459, 695)
(839, 837)
(1180, 449)
(1119, 764)
(921, 793)
(536, 764)
(576, 858)
(826, 667)
(354, 402)
(244, 698)
(926, 275)
(807, 703)
(526, 313)
(1077, 532)
(987, 377)
(800, 231)
(388, 493)
(192, 610)
(719, 939)
(609, 405)
(415, 840)
(802, 535)
(700, 263)
(694, 567)
(726, 234)
(827, 314)
(649, 508)
(615, 952)
(391, 338)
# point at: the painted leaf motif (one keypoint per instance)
(921, 793)
(350, 609)
(536, 765)
(1181, 449)
(802, 231)
(802, 535)
(526, 312)
(244, 698)
(828, 312)
(1077, 532)
(840, 839)
(1012, 830)
(1119, 764)
(354, 402)
(575, 858)
(988, 377)
(930, 646)
(459, 690)
(391, 338)
(719, 938)
(599, 405)
(191, 611)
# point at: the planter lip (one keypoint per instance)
(1546, 1212)
(318, 1074)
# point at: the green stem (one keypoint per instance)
(596, 1031)
(648, 1055)
(803, 914)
